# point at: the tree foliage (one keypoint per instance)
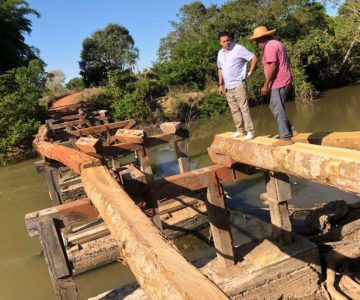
(324, 50)
(20, 112)
(14, 24)
(112, 48)
(75, 84)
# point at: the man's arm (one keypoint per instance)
(273, 66)
(253, 63)
(221, 82)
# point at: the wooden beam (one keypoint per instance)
(52, 249)
(144, 163)
(67, 124)
(349, 140)
(219, 222)
(195, 180)
(336, 167)
(159, 268)
(71, 158)
(278, 191)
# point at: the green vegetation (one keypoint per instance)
(20, 112)
(109, 49)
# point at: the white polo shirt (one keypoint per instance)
(233, 64)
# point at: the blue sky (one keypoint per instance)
(64, 24)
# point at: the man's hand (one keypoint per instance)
(221, 90)
(264, 90)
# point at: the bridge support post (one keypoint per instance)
(182, 155)
(145, 164)
(219, 222)
(278, 191)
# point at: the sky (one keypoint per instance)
(64, 24)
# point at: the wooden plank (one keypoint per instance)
(102, 128)
(71, 158)
(278, 191)
(336, 167)
(159, 268)
(79, 210)
(177, 203)
(53, 251)
(219, 222)
(349, 140)
(86, 235)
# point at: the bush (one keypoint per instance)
(132, 106)
(20, 111)
(212, 104)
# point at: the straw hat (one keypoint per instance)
(260, 32)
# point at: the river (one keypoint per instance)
(23, 270)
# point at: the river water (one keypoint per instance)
(23, 270)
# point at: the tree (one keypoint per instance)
(55, 81)
(75, 84)
(109, 49)
(20, 112)
(14, 52)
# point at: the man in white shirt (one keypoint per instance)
(232, 62)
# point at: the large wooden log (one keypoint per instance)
(159, 268)
(349, 140)
(71, 158)
(328, 165)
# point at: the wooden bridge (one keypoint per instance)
(80, 155)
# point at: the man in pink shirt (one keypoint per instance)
(278, 80)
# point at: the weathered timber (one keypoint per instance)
(71, 158)
(102, 128)
(88, 145)
(278, 191)
(328, 165)
(161, 271)
(78, 211)
(67, 124)
(182, 155)
(52, 249)
(51, 177)
(86, 235)
(195, 180)
(349, 140)
(219, 222)
(129, 136)
(145, 164)
(60, 275)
